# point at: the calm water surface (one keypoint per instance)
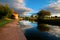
(33, 33)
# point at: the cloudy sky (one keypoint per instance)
(28, 7)
(54, 7)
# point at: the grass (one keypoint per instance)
(3, 22)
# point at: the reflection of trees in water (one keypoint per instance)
(43, 27)
(31, 21)
(35, 34)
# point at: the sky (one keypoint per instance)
(36, 4)
(29, 7)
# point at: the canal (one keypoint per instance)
(45, 32)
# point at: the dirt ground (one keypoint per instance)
(11, 31)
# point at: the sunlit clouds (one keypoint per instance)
(18, 5)
(54, 7)
(21, 1)
(58, 1)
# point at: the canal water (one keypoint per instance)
(33, 32)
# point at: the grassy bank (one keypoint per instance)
(3, 22)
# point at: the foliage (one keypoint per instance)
(34, 15)
(44, 13)
(26, 17)
(4, 11)
(8, 10)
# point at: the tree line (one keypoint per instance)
(5, 11)
(43, 13)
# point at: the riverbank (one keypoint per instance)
(11, 31)
(5, 21)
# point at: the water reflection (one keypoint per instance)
(43, 27)
(55, 30)
(35, 34)
(27, 24)
(40, 32)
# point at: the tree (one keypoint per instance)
(5, 11)
(56, 16)
(34, 15)
(8, 10)
(2, 11)
(43, 13)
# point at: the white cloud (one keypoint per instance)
(18, 5)
(58, 1)
(54, 7)
(21, 1)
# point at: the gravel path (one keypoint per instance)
(11, 31)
